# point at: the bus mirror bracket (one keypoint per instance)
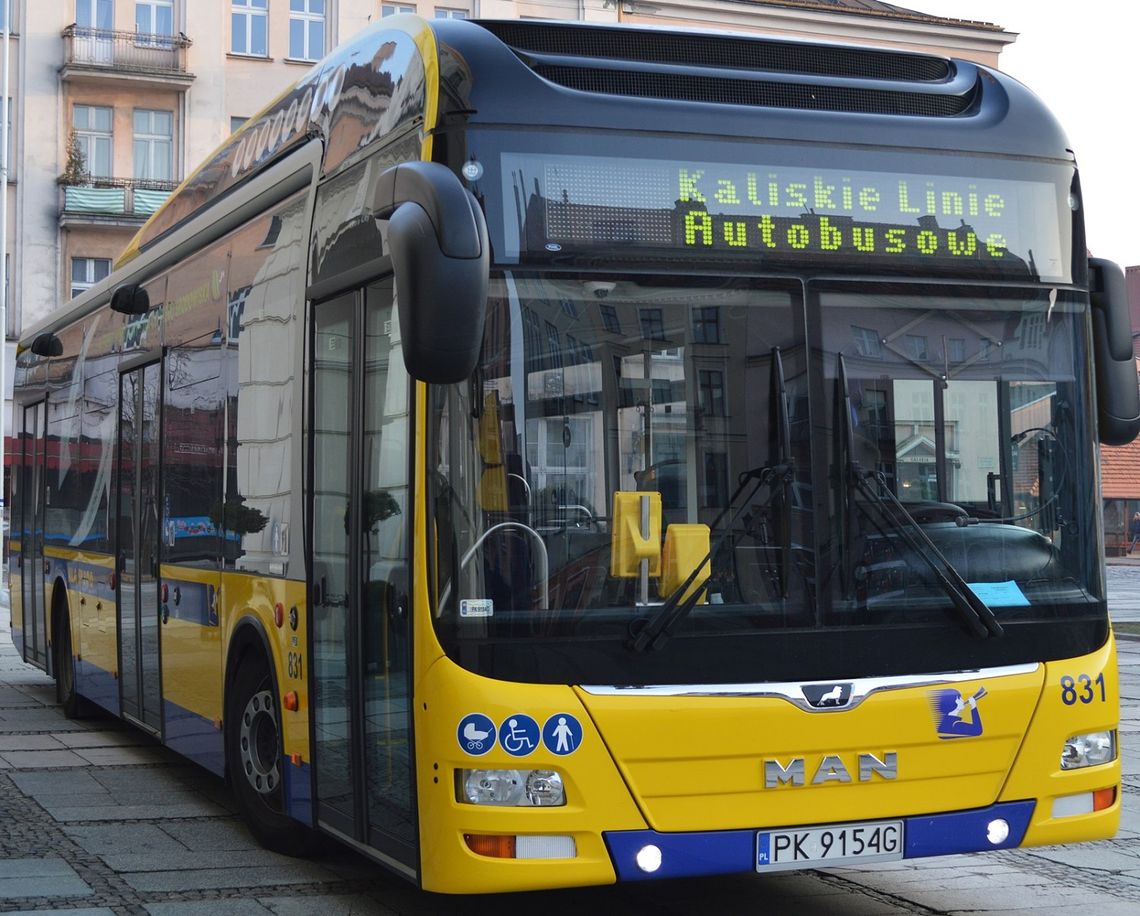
(1117, 388)
(130, 299)
(437, 237)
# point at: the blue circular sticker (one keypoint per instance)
(518, 735)
(476, 734)
(562, 734)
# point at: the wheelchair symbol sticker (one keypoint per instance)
(562, 734)
(476, 734)
(519, 735)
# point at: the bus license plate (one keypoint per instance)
(836, 844)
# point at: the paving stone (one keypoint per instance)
(46, 877)
(71, 812)
(104, 738)
(27, 760)
(298, 872)
(215, 908)
(124, 839)
(221, 834)
(117, 756)
(29, 743)
(326, 905)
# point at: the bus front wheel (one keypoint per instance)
(255, 759)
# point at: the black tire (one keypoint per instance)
(255, 760)
(66, 692)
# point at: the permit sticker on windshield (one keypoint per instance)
(1000, 594)
(479, 607)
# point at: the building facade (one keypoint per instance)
(113, 102)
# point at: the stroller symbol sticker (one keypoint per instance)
(476, 734)
(956, 716)
(519, 735)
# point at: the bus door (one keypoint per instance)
(362, 685)
(137, 543)
(32, 509)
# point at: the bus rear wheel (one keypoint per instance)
(254, 758)
(66, 691)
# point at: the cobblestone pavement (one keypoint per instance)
(97, 819)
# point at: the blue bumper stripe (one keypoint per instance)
(728, 851)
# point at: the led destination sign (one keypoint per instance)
(793, 215)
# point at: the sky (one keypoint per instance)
(1082, 57)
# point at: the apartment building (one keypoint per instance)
(113, 102)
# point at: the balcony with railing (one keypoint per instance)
(136, 57)
(112, 202)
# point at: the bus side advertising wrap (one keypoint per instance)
(992, 227)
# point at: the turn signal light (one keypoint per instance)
(1104, 798)
(279, 614)
(495, 847)
(290, 701)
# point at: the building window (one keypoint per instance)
(11, 161)
(610, 319)
(154, 144)
(306, 29)
(154, 17)
(443, 12)
(706, 324)
(12, 325)
(916, 346)
(86, 272)
(652, 324)
(395, 9)
(95, 14)
(867, 342)
(249, 27)
(4, 22)
(92, 125)
(711, 390)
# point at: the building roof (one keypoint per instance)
(1120, 471)
(876, 8)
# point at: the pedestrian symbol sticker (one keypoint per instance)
(562, 734)
(956, 716)
(476, 734)
(519, 735)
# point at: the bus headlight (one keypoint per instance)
(512, 788)
(1088, 750)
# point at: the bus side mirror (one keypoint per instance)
(1117, 387)
(130, 299)
(440, 255)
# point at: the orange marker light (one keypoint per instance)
(1104, 798)
(295, 759)
(279, 614)
(291, 702)
(496, 847)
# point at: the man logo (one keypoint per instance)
(827, 696)
(831, 768)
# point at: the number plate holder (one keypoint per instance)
(832, 844)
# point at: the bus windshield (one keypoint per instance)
(969, 404)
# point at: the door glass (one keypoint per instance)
(332, 456)
(34, 650)
(384, 603)
(125, 549)
(147, 611)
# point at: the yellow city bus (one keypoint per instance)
(543, 455)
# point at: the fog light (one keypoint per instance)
(648, 858)
(997, 831)
(511, 788)
(544, 788)
(493, 787)
(1088, 750)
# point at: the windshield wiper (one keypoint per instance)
(972, 610)
(657, 631)
(778, 477)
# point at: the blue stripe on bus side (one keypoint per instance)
(194, 737)
(298, 791)
(97, 685)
